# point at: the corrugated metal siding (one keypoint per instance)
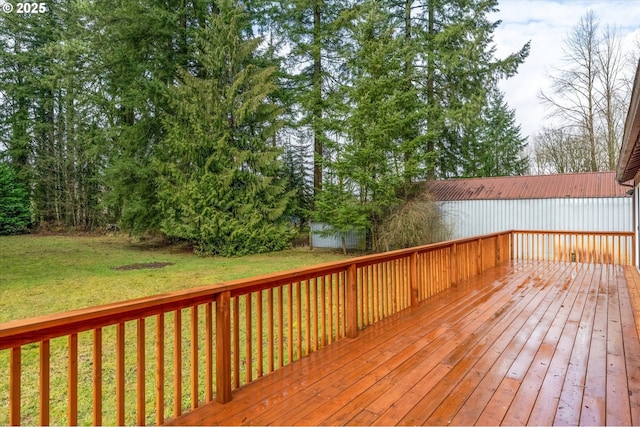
(475, 217)
(353, 239)
(581, 185)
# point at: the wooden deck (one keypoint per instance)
(535, 343)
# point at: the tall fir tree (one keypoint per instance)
(418, 76)
(53, 131)
(491, 144)
(140, 43)
(310, 34)
(15, 212)
(218, 180)
(461, 70)
(380, 109)
(295, 171)
(501, 136)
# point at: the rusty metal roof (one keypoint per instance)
(581, 185)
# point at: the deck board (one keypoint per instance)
(524, 343)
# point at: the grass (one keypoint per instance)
(41, 275)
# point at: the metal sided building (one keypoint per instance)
(568, 202)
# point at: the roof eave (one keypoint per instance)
(629, 158)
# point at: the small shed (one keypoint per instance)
(321, 237)
(572, 202)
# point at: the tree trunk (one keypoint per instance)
(317, 100)
(431, 173)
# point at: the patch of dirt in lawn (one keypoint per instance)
(143, 266)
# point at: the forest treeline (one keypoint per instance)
(222, 122)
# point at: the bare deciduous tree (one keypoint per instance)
(556, 151)
(588, 97)
(611, 93)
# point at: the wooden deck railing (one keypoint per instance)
(574, 246)
(143, 361)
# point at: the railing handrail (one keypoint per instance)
(36, 329)
(569, 232)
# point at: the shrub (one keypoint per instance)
(417, 221)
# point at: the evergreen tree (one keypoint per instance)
(502, 137)
(339, 206)
(419, 74)
(461, 70)
(310, 34)
(379, 111)
(491, 145)
(294, 171)
(218, 184)
(52, 129)
(99, 124)
(140, 43)
(19, 46)
(15, 215)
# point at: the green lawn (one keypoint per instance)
(40, 275)
(49, 274)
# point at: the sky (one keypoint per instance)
(547, 24)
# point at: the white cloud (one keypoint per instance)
(547, 24)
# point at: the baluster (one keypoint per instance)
(280, 327)
(177, 364)
(323, 310)
(223, 347)
(270, 332)
(45, 383)
(194, 357)
(208, 367)
(236, 342)
(160, 369)
(299, 319)
(97, 376)
(248, 353)
(140, 375)
(120, 373)
(290, 322)
(309, 324)
(72, 381)
(332, 277)
(259, 334)
(351, 302)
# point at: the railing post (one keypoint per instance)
(45, 381)
(223, 347)
(413, 278)
(352, 302)
(15, 367)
